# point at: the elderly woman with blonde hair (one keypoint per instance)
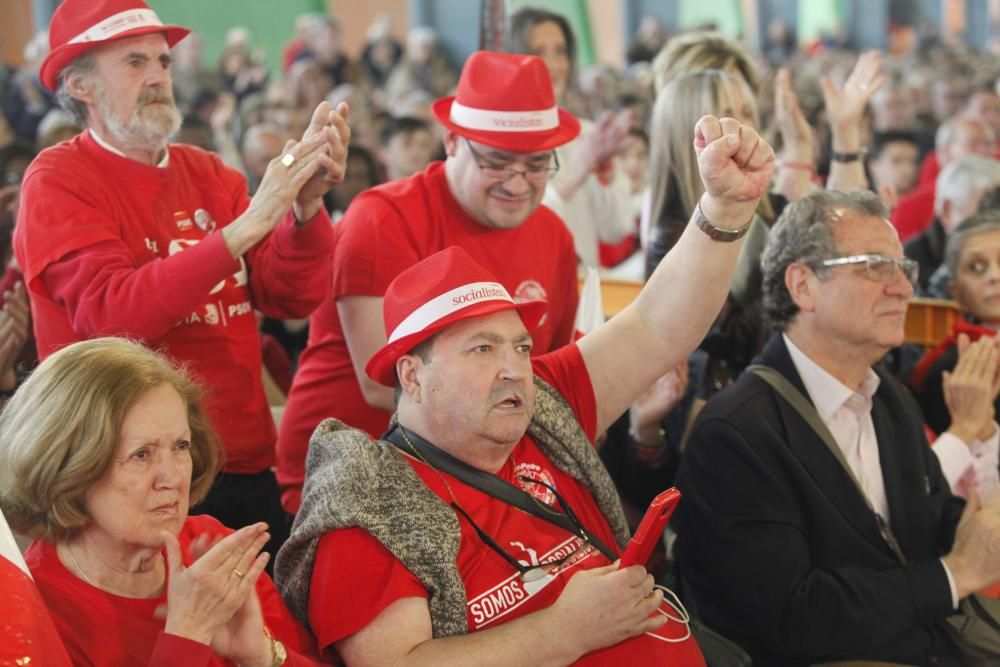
(102, 451)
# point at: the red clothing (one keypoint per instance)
(103, 629)
(29, 635)
(349, 560)
(929, 169)
(110, 246)
(915, 212)
(276, 362)
(386, 230)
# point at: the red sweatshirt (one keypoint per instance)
(113, 247)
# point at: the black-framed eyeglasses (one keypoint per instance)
(879, 268)
(531, 573)
(533, 173)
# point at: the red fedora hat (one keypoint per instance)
(80, 25)
(446, 287)
(507, 101)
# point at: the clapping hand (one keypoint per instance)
(333, 126)
(214, 601)
(796, 133)
(648, 410)
(971, 388)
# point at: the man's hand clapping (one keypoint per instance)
(332, 125)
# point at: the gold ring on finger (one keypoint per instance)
(238, 573)
(287, 159)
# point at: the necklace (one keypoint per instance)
(421, 458)
(108, 587)
(77, 564)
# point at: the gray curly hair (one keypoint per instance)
(803, 234)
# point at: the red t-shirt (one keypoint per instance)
(915, 212)
(352, 565)
(100, 628)
(113, 247)
(388, 229)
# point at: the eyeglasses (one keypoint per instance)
(879, 267)
(533, 173)
(531, 573)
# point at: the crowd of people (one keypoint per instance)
(293, 372)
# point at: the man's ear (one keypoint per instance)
(407, 369)
(450, 140)
(80, 88)
(945, 210)
(802, 283)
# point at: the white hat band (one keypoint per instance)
(117, 24)
(504, 121)
(446, 304)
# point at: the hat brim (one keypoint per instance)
(382, 366)
(521, 142)
(60, 57)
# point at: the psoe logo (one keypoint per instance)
(531, 290)
(239, 278)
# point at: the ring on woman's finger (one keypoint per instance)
(238, 573)
(287, 159)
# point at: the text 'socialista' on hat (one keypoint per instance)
(79, 25)
(446, 287)
(507, 101)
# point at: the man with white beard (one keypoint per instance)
(121, 234)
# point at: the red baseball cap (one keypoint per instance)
(446, 287)
(79, 25)
(507, 101)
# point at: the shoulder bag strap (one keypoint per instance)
(808, 412)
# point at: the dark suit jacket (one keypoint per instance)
(927, 250)
(778, 547)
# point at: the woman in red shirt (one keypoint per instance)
(102, 451)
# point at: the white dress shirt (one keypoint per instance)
(848, 416)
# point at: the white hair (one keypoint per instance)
(946, 132)
(961, 178)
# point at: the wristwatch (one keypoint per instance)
(278, 652)
(848, 157)
(717, 233)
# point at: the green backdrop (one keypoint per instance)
(270, 22)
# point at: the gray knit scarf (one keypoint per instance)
(353, 481)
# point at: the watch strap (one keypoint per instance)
(718, 233)
(837, 156)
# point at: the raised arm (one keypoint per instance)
(683, 296)
(795, 169)
(844, 108)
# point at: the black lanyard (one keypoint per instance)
(411, 443)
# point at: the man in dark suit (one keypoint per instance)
(780, 547)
